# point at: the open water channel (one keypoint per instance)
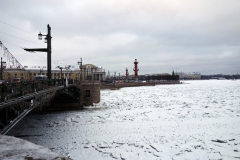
(193, 120)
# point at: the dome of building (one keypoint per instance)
(89, 66)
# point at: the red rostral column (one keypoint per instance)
(127, 74)
(136, 69)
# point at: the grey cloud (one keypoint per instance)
(198, 36)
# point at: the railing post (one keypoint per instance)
(21, 88)
(6, 115)
(33, 86)
(2, 92)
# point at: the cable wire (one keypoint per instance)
(37, 54)
(18, 28)
(27, 40)
(13, 44)
(20, 38)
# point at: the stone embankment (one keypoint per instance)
(136, 84)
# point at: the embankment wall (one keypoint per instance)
(137, 84)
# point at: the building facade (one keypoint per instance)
(88, 72)
(193, 76)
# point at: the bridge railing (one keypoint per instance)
(19, 99)
(16, 89)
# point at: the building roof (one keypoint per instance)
(89, 66)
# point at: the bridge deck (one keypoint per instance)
(19, 99)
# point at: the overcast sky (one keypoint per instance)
(184, 35)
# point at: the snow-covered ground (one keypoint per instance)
(194, 120)
(12, 148)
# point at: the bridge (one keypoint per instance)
(19, 99)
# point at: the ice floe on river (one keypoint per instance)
(195, 120)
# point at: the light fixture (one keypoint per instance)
(40, 36)
(45, 39)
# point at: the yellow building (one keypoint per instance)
(88, 72)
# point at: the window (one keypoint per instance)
(88, 93)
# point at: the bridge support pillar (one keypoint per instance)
(89, 93)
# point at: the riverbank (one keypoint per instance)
(136, 84)
(15, 148)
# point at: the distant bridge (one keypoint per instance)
(18, 99)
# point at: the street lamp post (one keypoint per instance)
(61, 72)
(114, 77)
(81, 88)
(47, 40)
(41, 71)
(80, 67)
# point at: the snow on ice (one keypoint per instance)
(17, 149)
(194, 120)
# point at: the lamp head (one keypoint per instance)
(45, 39)
(40, 36)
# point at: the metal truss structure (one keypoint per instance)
(12, 62)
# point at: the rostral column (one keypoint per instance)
(136, 69)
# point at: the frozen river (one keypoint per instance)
(194, 120)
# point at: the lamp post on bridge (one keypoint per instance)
(81, 91)
(114, 77)
(80, 67)
(61, 73)
(41, 71)
(47, 40)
